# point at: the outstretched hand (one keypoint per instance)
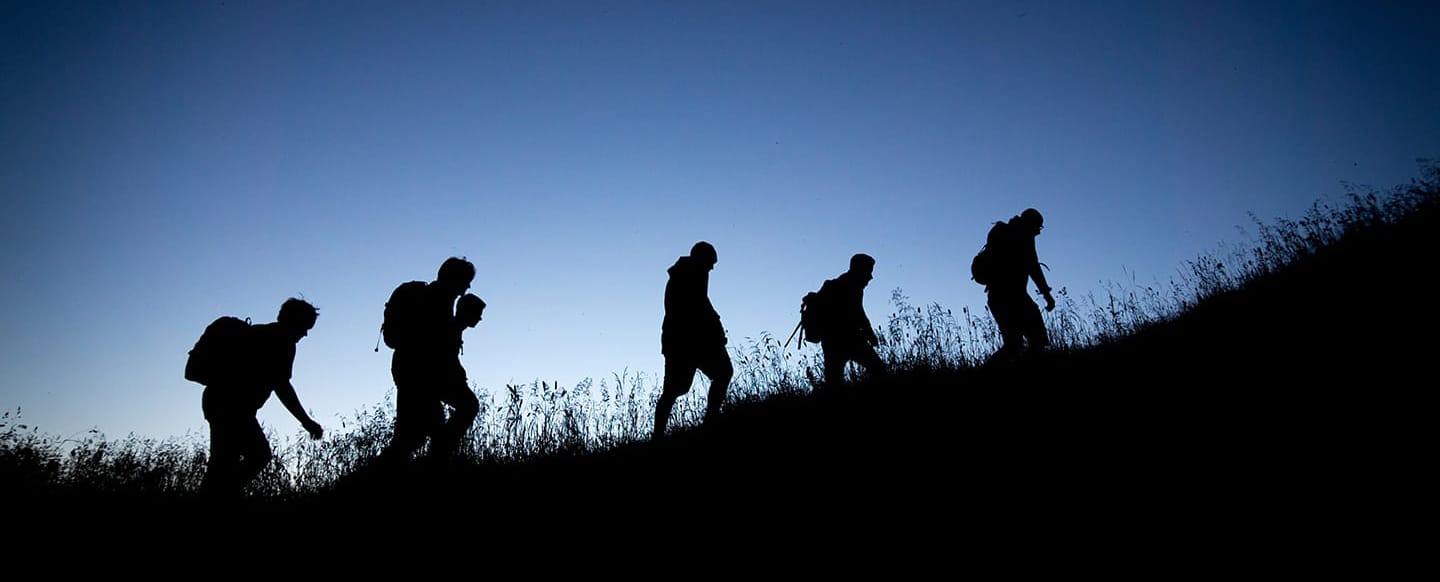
(1049, 302)
(314, 428)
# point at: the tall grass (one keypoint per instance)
(546, 418)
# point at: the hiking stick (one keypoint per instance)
(792, 336)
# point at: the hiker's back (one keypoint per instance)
(836, 311)
(689, 315)
(817, 313)
(847, 298)
(1002, 261)
(407, 325)
(272, 355)
(239, 364)
(222, 354)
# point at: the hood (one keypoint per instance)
(684, 266)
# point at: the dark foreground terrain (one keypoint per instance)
(1290, 413)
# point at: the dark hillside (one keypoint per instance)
(1285, 398)
(1279, 405)
(1289, 408)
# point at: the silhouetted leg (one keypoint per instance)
(418, 415)
(238, 452)
(865, 356)
(1033, 326)
(836, 356)
(719, 370)
(255, 452)
(678, 377)
(464, 406)
(230, 417)
(408, 434)
(409, 372)
(1003, 307)
(220, 470)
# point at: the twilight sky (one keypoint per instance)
(165, 163)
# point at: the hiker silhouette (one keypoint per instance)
(691, 337)
(848, 335)
(1022, 329)
(423, 324)
(260, 361)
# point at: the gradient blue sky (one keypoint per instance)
(165, 163)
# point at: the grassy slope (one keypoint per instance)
(1292, 405)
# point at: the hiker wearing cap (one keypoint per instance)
(1022, 329)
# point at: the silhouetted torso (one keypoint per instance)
(848, 294)
(1018, 260)
(437, 336)
(271, 361)
(690, 319)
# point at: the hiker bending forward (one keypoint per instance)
(850, 337)
(239, 449)
(691, 337)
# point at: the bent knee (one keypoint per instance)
(723, 375)
(467, 406)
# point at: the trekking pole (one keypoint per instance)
(792, 336)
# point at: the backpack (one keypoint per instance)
(986, 262)
(402, 315)
(815, 316)
(221, 353)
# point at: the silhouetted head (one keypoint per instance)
(1031, 220)
(469, 310)
(863, 265)
(297, 316)
(455, 276)
(705, 253)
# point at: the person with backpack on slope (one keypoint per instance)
(848, 335)
(423, 329)
(691, 336)
(259, 361)
(1014, 263)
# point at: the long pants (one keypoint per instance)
(1019, 320)
(680, 369)
(422, 390)
(839, 352)
(238, 447)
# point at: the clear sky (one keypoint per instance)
(165, 163)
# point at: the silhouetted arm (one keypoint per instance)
(855, 307)
(286, 393)
(865, 322)
(1038, 275)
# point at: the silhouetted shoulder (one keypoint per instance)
(683, 266)
(273, 352)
